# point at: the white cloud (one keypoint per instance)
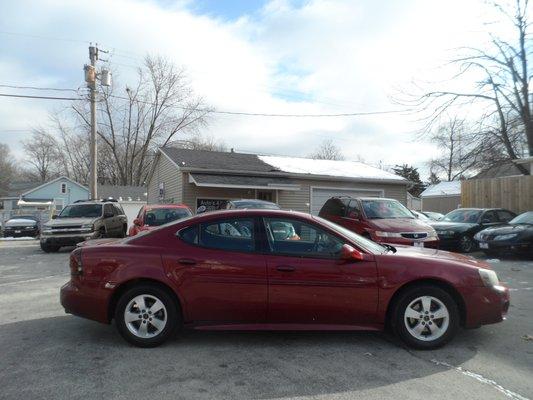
(321, 57)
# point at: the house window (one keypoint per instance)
(63, 188)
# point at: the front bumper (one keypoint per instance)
(86, 300)
(20, 232)
(67, 240)
(485, 305)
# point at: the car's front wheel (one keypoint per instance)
(466, 244)
(426, 317)
(49, 248)
(146, 315)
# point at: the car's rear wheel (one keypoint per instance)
(146, 315)
(426, 317)
(49, 248)
(466, 244)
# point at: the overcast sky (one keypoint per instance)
(275, 56)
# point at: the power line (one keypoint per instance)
(40, 97)
(43, 37)
(38, 88)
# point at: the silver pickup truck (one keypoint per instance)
(82, 221)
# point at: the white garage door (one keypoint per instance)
(320, 196)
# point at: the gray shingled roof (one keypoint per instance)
(240, 180)
(216, 160)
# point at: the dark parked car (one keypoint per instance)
(22, 226)
(251, 204)
(381, 220)
(457, 229)
(243, 270)
(514, 237)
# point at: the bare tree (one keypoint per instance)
(7, 168)
(500, 87)
(460, 152)
(327, 151)
(200, 142)
(42, 155)
(149, 114)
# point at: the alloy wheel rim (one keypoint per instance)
(145, 316)
(467, 243)
(426, 318)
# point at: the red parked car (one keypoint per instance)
(277, 270)
(381, 220)
(152, 216)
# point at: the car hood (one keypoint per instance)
(69, 222)
(439, 256)
(453, 226)
(505, 229)
(20, 222)
(400, 225)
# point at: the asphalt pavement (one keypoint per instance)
(46, 354)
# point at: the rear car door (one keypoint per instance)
(219, 273)
(309, 284)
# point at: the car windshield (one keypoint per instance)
(161, 216)
(256, 205)
(81, 211)
(421, 216)
(358, 240)
(382, 209)
(525, 218)
(467, 216)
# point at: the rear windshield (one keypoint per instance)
(161, 216)
(81, 211)
(255, 205)
(383, 209)
(468, 216)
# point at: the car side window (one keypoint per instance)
(108, 209)
(189, 235)
(334, 207)
(353, 210)
(119, 210)
(489, 217)
(297, 238)
(235, 234)
(504, 215)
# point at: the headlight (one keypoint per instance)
(506, 237)
(488, 277)
(387, 234)
(432, 234)
(29, 227)
(87, 227)
(477, 236)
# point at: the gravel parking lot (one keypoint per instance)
(46, 354)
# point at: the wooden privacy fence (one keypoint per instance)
(514, 193)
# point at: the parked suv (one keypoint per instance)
(82, 221)
(382, 220)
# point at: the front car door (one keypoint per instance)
(219, 273)
(307, 281)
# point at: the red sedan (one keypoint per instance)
(277, 270)
(152, 216)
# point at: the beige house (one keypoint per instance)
(211, 178)
(442, 197)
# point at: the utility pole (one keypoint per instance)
(91, 77)
(93, 173)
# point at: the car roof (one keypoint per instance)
(362, 198)
(154, 206)
(251, 213)
(251, 201)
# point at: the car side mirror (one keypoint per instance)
(201, 209)
(137, 222)
(108, 215)
(348, 253)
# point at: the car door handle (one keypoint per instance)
(186, 261)
(285, 268)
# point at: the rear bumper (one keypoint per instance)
(485, 305)
(91, 302)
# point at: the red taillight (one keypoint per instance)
(76, 267)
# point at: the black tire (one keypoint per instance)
(173, 316)
(124, 231)
(48, 248)
(399, 322)
(102, 233)
(466, 244)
